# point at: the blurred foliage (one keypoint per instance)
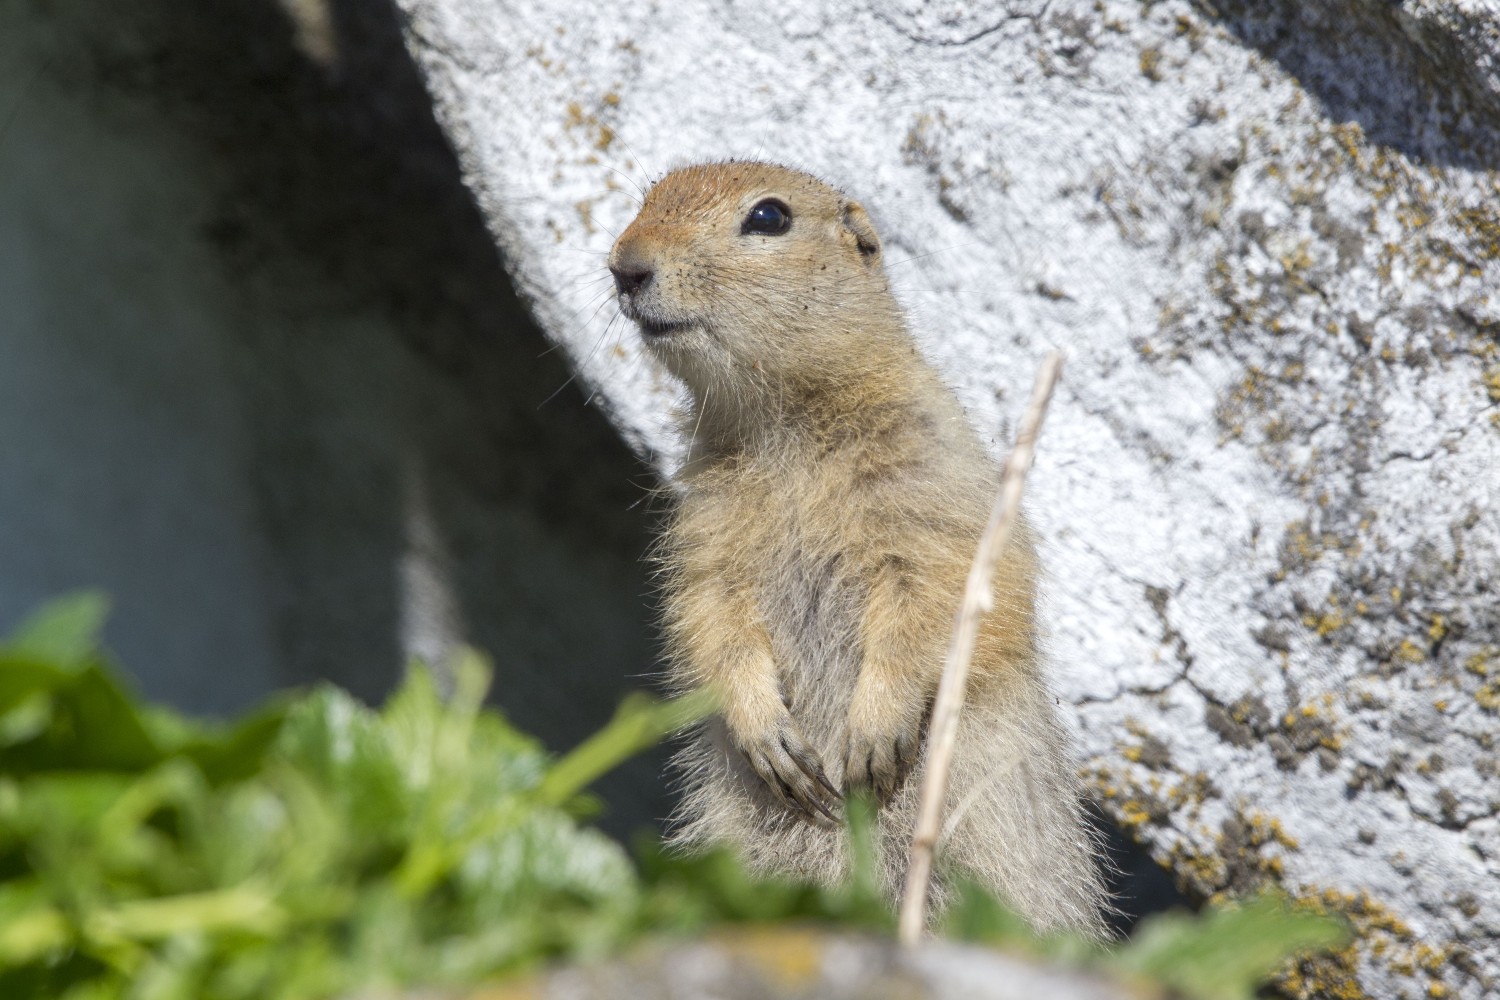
(318, 847)
(1225, 953)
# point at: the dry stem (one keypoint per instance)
(977, 600)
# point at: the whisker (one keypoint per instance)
(595, 221)
(600, 296)
(566, 383)
(579, 367)
(584, 323)
(633, 183)
(638, 161)
(575, 312)
(932, 253)
(589, 274)
(693, 440)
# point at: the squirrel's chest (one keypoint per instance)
(800, 562)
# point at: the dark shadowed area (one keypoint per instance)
(1409, 84)
(267, 383)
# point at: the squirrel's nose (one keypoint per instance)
(630, 279)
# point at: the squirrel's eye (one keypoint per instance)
(769, 218)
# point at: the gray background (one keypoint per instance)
(264, 380)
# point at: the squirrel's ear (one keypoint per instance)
(857, 224)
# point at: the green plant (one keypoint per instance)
(319, 847)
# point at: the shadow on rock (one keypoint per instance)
(1414, 81)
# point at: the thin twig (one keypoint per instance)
(977, 600)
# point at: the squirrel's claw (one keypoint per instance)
(881, 761)
(791, 769)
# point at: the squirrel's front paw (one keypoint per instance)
(792, 769)
(881, 748)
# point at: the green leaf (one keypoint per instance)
(340, 746)
(25, 718)
(860, 810)
(46, 652)
(223, 753)
(63, 634)
(977, 916)
(94, 724)
(1228, 952)
(29, 933)
(247, 909)
(640, 722)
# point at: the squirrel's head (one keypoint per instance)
(750, 273)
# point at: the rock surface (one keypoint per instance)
(806, 964)
(1268, 237)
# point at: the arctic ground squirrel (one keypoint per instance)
(829, 505)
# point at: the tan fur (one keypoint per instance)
(830, 505)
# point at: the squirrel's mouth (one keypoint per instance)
(651, 324)
(660, 328)
(647, 313)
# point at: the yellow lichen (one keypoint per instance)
(1133, 814)
(1326, 623)
(1151, 64)
(1482, 225)
(1379, 934)
(1410, 652)
(1268, 830)
(1488, 697)
(1491, 380)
